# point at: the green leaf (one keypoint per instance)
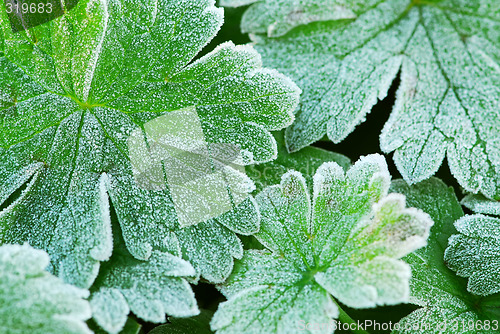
(149, 289)
(445, 304)
(199, 324)
(34, 301)
(481, 204)
(446, 51)
(345, 242)
(475, 253)
(305, 161)
(73, 91)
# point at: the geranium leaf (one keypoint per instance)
(345, 55)
(445, 304)
(345, 242)
(34, 301)
(75, 89)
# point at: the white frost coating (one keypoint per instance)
(109, 309)
(103, 251)
(441, 295)
(25, 192)
(410, 232)
(277, 17)
(236, 3)
(382, 281)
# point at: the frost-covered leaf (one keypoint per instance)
(345, 242)
(33, 301)
(73, 90)
(445, 304)
(149, 289)
(305, 161)
(475, 253)
(199, 324)
(481, 204)
(448, 55)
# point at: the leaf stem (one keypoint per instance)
(346, 319)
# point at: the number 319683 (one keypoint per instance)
(31, 8)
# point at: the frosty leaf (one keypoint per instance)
(448, 55)
(71, 93)
(475, 253)
(305, 161)
(149, 289)
(445, 303)
(345, 242)
(199, 324)
(33, 301)
(481, 204)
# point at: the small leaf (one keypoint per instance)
(445, 305)
(481, 204)
(149, 289)
(345, 242)
(475, 253)
(34, 301)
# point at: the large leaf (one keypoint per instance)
(34, 301)
(345, 242)
(445, 304)
(73, 91)
(345, 55)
